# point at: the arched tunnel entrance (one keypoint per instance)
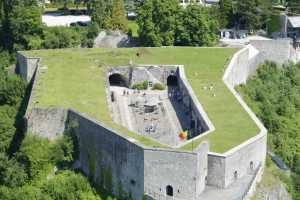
(118, 80)
(172, 81)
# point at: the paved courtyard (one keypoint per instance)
(152, 113)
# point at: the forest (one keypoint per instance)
(274, 95)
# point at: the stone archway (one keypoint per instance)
(169, 190)
(118, 80)
(172, 80)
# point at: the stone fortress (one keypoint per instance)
(160, 114)
(162, 173)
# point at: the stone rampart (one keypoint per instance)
(184, 172)
(280, 51)
(47, 122)
(26, 66)
(114, 160)
(224, 169)
(109, 158)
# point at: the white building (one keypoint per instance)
(200, 2)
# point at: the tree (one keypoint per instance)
(293, 6)
(117, 20)
(21, 23)
(68, 185)
(226, 13)
(147, 33)
(248, 15)
(196, 27)
(157, 22)
(166, 23)
(99, 11)
(12, 173)
(7, 129)
(274, 95)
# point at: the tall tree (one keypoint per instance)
(99, 11)
(117, 20)
(293, 6)
(21, 24)
(196, 27)
(157, 21)
(248, 15)
(147, 33)
(226, 13)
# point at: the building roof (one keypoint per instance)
(294, 21)
(212, 1)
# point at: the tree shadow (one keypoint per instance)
(20, 123)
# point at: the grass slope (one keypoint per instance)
(75, 79)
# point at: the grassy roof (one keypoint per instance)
(75, 79)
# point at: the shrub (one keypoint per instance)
(158, 86)
(141, 86)
(63, 37)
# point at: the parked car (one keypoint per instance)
(79, 23)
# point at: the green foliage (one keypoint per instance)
(158, 86)
(157, 22)
(108, 14)
(100, 11)
(12, 173)
(68, 186)
(274, 95)
(196, 26)
(27, 192)
(36, 154)
(141, 86)
(165, 23)
(273, 24)
(12, 89)
(247, 14)
(62, 37)
(7, 129)
(21, 24)
(294, 6)
(147, 33)
(226, 13)
(4, 60)
(117, 20)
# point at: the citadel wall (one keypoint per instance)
(26, 66)
(185, 172)
(47, 122)
(109, 158)
(223, 169)
(104, 152)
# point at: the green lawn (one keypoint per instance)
(75, 79)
